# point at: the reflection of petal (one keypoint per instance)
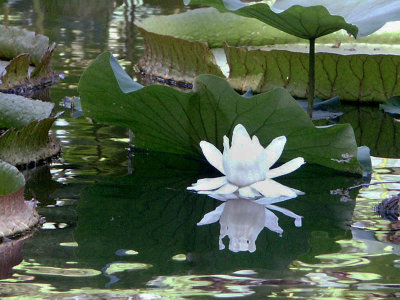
(271, 188)
(271, 222)
(208, 184)
(248, 192)
(213, 155)
(212, 216)
(225, 189)
(268, 200)
(274, 150)
(286, 168)
(297, 221)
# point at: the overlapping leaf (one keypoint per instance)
(164, 119)
(303, 22)
(28, 123)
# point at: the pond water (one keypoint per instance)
(122, 225)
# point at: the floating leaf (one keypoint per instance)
(23, 48)
(164, 119)
(32, 143)
(11, 179)
(17, 111)
(303, 22)
(357, 77)
(357, 70)
(14, 41)
(182, 60)
(16, 214)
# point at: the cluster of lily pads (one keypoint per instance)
(259, 56)
(25, 124)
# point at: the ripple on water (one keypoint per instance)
(37, 269)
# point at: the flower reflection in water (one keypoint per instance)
(242, 221)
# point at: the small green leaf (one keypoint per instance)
(17, 111)
(164, 119)
(11, 179)
(303, 22)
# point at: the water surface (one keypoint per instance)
(123, 225)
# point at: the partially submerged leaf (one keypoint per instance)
(303, 22)
(17, 111)
(164, 119)
(32, 143)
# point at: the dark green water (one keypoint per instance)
(120, 226)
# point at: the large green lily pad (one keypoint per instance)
(303, 22)
(365, 76)
(167, 120)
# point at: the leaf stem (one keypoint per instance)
(311, 77)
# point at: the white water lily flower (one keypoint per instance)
(246, 166)
(242, 221)
(368, 15)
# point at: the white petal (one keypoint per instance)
(224, 197)
(213, 155)
(297, 221)
(271, 188)
(367, 15)
(248, 192)
(212, 216)
(271, 222)
(274, 150)
(208, 184)
(240, 136)
(225, 189)
(286, 168)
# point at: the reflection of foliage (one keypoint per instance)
(151, 212)
(98, 9)
(374, 129)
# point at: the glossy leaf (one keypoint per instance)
(164, 119)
